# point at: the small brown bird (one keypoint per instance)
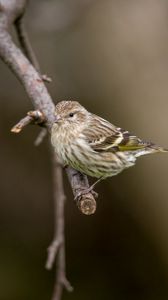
(93, 145)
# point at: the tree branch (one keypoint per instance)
(86, 203)
(28, 76)
(10, 11)
(58, 244)
(33, 117)
(25, 43)
(27, 48)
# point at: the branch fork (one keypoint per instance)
(52, 252)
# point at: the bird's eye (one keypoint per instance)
(71, 114)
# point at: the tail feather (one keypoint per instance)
(157, 148)
(149, 149)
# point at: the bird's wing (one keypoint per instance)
(103, 136)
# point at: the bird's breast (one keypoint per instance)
(62, 139)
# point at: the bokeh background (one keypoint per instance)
(112, 56)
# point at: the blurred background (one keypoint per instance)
(112, 56)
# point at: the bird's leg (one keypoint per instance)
(93, 185)
(88, 190)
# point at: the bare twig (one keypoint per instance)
(22, 123)
(27, 48)
(10, 12)
(52, 252)
(40, 137)
(25, 43)
(33, 117)
(46, 78)
(58, 244)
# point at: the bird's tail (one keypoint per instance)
(149, 149)
(158, 148)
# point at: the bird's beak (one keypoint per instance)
(57, 119)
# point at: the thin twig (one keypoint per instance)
(33, 117)
(27, 48)
(39, 139)
(25, 43)
(21, 124)
(46, 78)
(52, 252)
(58, 243)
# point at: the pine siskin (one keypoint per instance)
(92, 145)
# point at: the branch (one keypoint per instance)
(40, 137)
(86, 203)
(25, 43)
(31, 81)
(33, 117)
(27, 48)
(58, 244)
(10, 12)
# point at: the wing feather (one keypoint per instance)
(104, 136)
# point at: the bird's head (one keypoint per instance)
(70, 114)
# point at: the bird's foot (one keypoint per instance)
(88, 190)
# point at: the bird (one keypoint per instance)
(93, 145)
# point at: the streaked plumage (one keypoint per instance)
(93, 145)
